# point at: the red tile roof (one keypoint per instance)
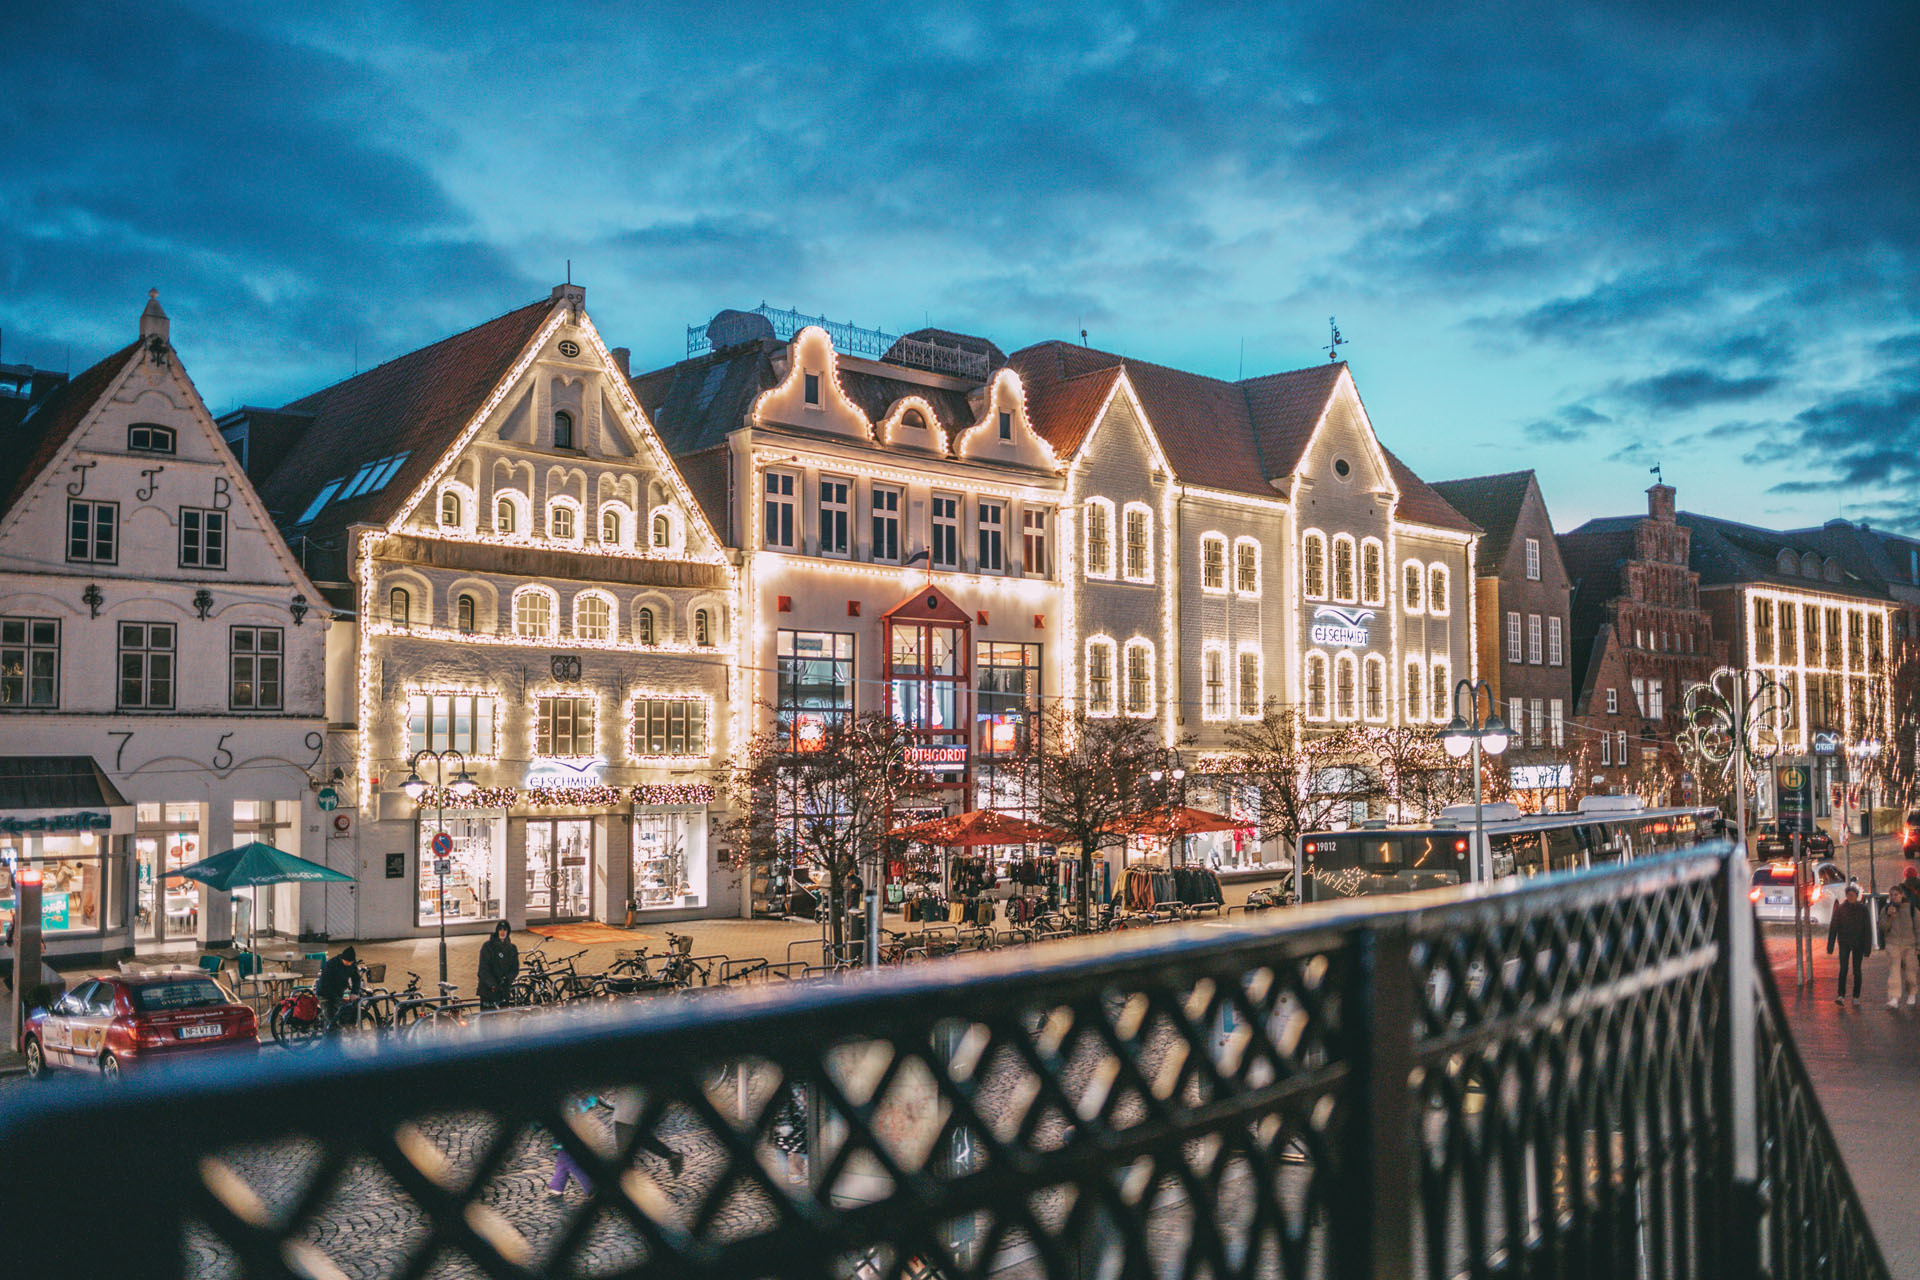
(38, 437)
(416, 404)
(1062, 412)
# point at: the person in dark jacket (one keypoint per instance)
(339, 977)
(1852, 929)
(499, 965)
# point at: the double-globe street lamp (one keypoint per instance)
(1469, 732)
(1171, 767)
(462, 786)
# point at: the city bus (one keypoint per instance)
(1605, 830)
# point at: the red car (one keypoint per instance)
(109, 1025)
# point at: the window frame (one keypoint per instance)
(1536, 649)
(449, 496)
(1533, 559)
(171, 447)
(1313, 541)
(1213, 681)
(572, 430)
(1373, 679)
(641, 713)
(1247, 548)
(1556, 642)
(548, 726)
(1346, 686)
(780, 510)
(590, 597)
(1033, 541)
(1440, 600)
(575, 518)
(94, 528)
(1351, 594)
(833, 516)
(515, 523)
(1102, 678)
(1440, 679)
(1376, 550)
(1140, 648)
(149, 651)
(1317, 661)
(884, 519)
(1128, 512)
(551, 600)
(1210, 542)
(990, 535)
(1243, 707)
(1099, 560)
(400, 603)
(1516, 653)
(27, 647)
(257, 658)
(209, 541)
(944, 531)
(1415, 690)
(471, 747)
(466, 611)
(1414, 602)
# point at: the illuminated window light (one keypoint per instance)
(1213, 563)
(1246, 567)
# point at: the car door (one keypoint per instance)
(56, 1029)
(89, 1027)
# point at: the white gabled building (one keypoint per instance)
(529, 583)
(160, 647)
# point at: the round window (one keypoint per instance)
(569, 348)
(1340, 468)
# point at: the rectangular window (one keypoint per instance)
(1517, 720)
(253, 665)
(1033, 532)
(1606, 748)
(29, 662)
(1640, 695)
(813, 682)
(778, 531)
(460, 721)
(835, 516)
(1533, 559)
(1139, 534)
(1656, 699)
(669, 727)
(1613, 702)
(148, 437)
(1539, 721)
(1006, 425)
(946, 531)
(1533, 638)
(146, 666)
(1214, 677)
(1100, 678)
(1249, 684)
(1555, 653)
(1620, 747)
(1007, 678)
(203, 538)
(813, 388)
(1213, 564)
(565, 728)
(1246, 556)
(93, 532)
(990, 523)
(1557, 721)
(1099, 540)
(1513, 637)
(886, 524)
(1139, 679)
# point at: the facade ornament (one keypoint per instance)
(298, 607)
(203, 602)
(92, 598)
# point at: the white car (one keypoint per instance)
(1772, 892)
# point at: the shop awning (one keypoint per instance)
(1169, 820)
(56, 782)
(978, 828)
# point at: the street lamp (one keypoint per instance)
(462, 786)
(1177, 800)
(1469, 732)
(1861, 756)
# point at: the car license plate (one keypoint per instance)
(204, 1031)
(1779, 899)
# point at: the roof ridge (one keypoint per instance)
(413, 354)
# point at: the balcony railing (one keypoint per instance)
(1587, 1077)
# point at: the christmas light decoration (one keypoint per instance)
(1797, 672)
(1245, 545)
(1005, 394)
(1210, 650)
(469, 506)
(1102, 570)
(410, 692)
(1213, 538)
(895, 421)
(649, 794)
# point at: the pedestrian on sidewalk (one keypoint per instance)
(1852, 929)
(1902, 933)
(564, 1165)
(499, 965)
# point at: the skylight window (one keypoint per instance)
(386, 473)
(359, 481)
(319, 500)
(370, 478)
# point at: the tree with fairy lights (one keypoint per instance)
(1091, 774)
(820, 798)
(1304, 777)
(1417, 776)
(1898, 764)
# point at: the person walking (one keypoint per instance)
(1903, 939)
(564, 1165)
(499, 965)
(1852, 929)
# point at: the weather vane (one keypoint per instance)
(1654, 471)
(1335, 342)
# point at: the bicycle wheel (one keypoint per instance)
(359, 1026)
(294, 1033)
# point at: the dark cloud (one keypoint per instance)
(1569, 423)
(1681, 390)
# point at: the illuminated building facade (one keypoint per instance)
(162, 663)
(533, 586)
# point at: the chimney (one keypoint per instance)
(1660, 503)
(622, 358)
(573, 293)
(153, 321)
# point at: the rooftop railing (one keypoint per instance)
(1589, 1076)
(851, 339)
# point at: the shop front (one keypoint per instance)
(669, 857)
(559, 869)
(62, 816)
(475, 883)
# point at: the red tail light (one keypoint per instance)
(144, 1032)
(1753, 894)
(1814, 893)
(1459, 846)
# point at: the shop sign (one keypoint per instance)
(1342, 628)
(941, 759)
(58, 822)
(53, 910)
(1541, 777)
(564, 771)
(1826, 743)
(1794, 799)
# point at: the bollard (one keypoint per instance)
(26, 949)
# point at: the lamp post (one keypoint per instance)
(1171, 766)
(463, 786)
(1469, 732)
(1862, 755)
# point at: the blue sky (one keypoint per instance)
(1581, 239)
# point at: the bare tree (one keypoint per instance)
(1417, 776)
(1089, 774)
(823, 803)
(1305, 778)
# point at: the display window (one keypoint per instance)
(669, 858)
(79, 886)
(167, 838)
(477, 876)
(559, 869)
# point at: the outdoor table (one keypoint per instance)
(272, 984)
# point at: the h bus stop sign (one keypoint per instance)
(1793, 787)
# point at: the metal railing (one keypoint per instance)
(851, 339)
(1589, 1076)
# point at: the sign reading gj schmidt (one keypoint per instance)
(1345, 628)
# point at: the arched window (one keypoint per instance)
(1413, 589)
(533, 613)
(1139, 678)
(561, 524)
(1343, 580)
(662, 530)
(450, 508)
(592, 617)
(1810, 565)
(399, 607)
(1437, 590)
(1442, 691)
(1316, 686)
(1376, 687)
(506, 517)
(463, 613)
(1099, 538)
(1313, 559)
(643, 627)
(563, 430)
(1787, 562)
(1138, 562)
(1346, 686)
(1213, 562)
(1416, 692)
(702, 629)
(610, 526)
(1373, 577)
(1246, 566)
(1100, 677)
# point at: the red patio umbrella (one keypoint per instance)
(1170, 821)
(977, 828)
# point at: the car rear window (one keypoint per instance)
(1773, 875)
(187, 993)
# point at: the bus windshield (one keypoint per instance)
(1353, 864)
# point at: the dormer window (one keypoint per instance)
(913, 418)
(147, 437)
(662, 531)
(1787, 562)
(563, 430)
(813, 388)
(1810, 565)
(1006, 425)
(450, 509)
(702, 629)
(504, 518)
(610, 526)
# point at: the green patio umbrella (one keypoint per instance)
(254, 864)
